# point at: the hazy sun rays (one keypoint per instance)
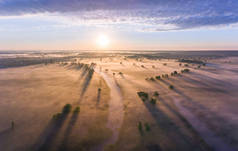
(103, 41)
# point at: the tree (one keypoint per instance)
(156, 93)
(158, 77)
(171, 86)
(77, 109)
(153, 101)
(66, 109)
(140, 127)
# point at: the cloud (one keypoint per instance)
(158, 15)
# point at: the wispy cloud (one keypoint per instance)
(156, 15)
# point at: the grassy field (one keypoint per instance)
(186, 102)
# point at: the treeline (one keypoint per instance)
(192, 61)
(26, 61)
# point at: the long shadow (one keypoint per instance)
(220, 130)
(68, 131)
(212, 80)
(5, 132)
(172, 129)
(79, 67)
(86, 83)
(98, 97)
(197, 138)
(46, 140)
(200, 82)
(153, 147)
(122, 76)
(187, 98)
(4, 135)
(86, 69)
(185, 121)
(203, 83)
(116, 81)
(169, 126)
(84, 72)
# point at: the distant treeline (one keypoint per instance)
(191, 55)
(26, 61)
(191, 61)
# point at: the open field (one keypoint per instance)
(187, 101)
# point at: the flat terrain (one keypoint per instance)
(191, 110)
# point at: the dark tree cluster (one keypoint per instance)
(142, 127)
(65, 111)
(143, 95)
(185, 71)
(174, 73)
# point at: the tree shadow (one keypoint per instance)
(50, 133)
(122, 76)
(188, 99)
(200, 82)
(84, 72)
(212, 80)
(153, 147)
(99, 96)
(219, 125)
(86, 83)
(5, 132)
(85, 68)
(213, 85)
(68, 131)
(185, 122)
(169, 127)
(5, 135)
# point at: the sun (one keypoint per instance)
(103, 41)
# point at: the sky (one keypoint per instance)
(124, 24)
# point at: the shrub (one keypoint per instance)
(158, 77)
(99, 89)
(165, 64)
(152, 79)
(120, 73)
(166, 75)
(140, 127)
(153, 101)
(171, 86)
(142, 66)
(57, 116)
(180, 64)
(156, 93)
(77, 109)
(175, 72)
(66, 109)
(147, 127)
(186, 70)
(186, 65)
(143, 95)
(153, 66)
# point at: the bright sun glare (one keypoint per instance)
(103, 41)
